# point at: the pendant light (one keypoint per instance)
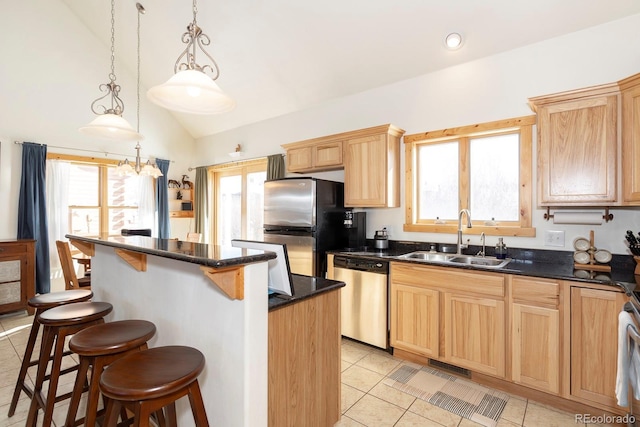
(148, 168)
(109, 123)
(191, 89)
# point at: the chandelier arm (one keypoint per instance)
(117, 105)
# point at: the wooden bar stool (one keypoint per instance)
(58, 323)
(99, 346)
(41, 303)
(152, 379)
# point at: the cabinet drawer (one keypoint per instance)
(445, 279)
(10, 292)
(541, 291)
(9, 271)
(12, 248)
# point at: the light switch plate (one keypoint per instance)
(554, 238)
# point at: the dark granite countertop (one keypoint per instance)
(527, 262)
(303, 287)
(196, 253)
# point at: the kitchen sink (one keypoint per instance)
(441, 258)
(427, 256)
(479, 261)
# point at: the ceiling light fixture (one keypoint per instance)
(191, 89)
(109, 124)
(126, 168)
(453, 41)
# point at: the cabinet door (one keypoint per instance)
(535, 347)
(594, 344)
(474, 333)
(631, 140)
(577, 152)
(299, 159)
(414, 319)
(327, 155)
(371, 173)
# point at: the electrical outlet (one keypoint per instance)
(554, 238)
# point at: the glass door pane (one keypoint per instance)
(229, 212)
(255, 203)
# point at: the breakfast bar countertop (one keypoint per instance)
(196, 253)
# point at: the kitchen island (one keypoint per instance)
(209, 297)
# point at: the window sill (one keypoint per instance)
(496, 230)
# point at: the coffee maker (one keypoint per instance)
(356, 228)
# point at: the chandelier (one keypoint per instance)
(148, 168)
(191, 89)
(109, 123)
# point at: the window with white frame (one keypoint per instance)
(485, 168)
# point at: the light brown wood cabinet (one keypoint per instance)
(372, 168)
(304, 362)
(314, 156)
(578, 147)
(535, 333)
(318, 154)
(562, 335)
(468, 331)
(17, 275)
(630, 116)
(370, 158)
(415, 318)
(594, 345)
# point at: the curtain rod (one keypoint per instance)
(229, 162)
(106, 153)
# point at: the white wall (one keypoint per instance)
(52, 67)
(489, 89)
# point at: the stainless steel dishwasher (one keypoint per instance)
(364, 299)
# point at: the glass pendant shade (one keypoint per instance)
(111, 126)
(191, 91)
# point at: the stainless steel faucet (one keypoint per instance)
(460, 245)
(483, 251)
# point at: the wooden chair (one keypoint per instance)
(68, 270)
(193, 237)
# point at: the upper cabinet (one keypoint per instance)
(578, 146)
(630, 89)
(372, 168)
(370, 158)
(314, 155)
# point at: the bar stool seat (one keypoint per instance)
(58, 323)
(41, 303)
(98, 346)
(153, 379)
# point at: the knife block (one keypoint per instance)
(637, 270)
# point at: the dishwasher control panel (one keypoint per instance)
(361, 264)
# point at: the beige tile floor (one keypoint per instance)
(366, 401)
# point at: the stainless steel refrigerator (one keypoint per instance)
(307, 215)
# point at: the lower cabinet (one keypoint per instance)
(474, 333)
(304, 362)
(442, 314)
(594, 344)
(535, 334)
(17, 275)
(415, 319)
(558, 337)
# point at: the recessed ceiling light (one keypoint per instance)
(453, 41)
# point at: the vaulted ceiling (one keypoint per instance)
(280, 56)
